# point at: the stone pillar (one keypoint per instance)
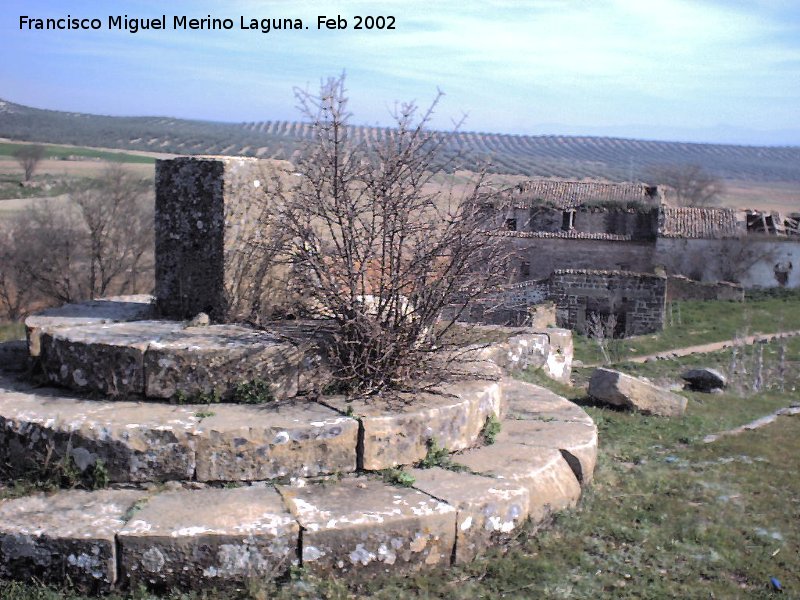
(206, 207)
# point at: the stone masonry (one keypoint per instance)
(638, 300)
(207, 212)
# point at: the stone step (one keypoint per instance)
(140, 441)
(113, 309)
(149, 441)
(397, 432)
(199, 536)
(165, 359)
(550, 481)
(541, 419)
(356, 525)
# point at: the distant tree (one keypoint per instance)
(380, 253)
(692, 184)
(29, 158)
(111, 210)
(99, 242)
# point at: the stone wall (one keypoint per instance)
(640, 224)
(543, 255)
(208, 213)
(636, 299)
(683, 288)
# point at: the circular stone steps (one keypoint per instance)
(149, 441)
(200, 535)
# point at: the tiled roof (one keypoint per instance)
(566, 235)
(607, 272)
(572, 194)
(697, 223)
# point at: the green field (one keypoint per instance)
(695, 322)
(64, 153)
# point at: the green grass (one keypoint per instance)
(697, 322)
(12, 331)
(62, 153)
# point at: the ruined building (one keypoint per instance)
(600, 249)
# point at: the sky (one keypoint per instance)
(724, 71)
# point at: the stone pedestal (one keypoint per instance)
(208, 212)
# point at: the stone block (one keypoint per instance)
(634, 393)
(576, 441)
(65, 537)
(489, 510)
(104, 310)
(207, 213)
(136, 442)
(300, 439)
(362, 526)
(197, 360)
(202, 538)
(396, 429)
(543, 471)
(105, 358)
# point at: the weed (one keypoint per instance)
(397, 476)
(336, 387)
(98, 476)
(204, 414)
(438, 457)
(491, 430)
(211, 396)
(256, 391)
(134, 508)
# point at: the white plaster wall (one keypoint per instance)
(755, 259)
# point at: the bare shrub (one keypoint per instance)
(29, 158)
(601, 329)
(117, 220)
(381, 255)
(691, 184)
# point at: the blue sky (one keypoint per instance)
(694, 70)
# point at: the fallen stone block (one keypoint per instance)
(66, 537)
(195, 539)
(618, 389)
(705, 379)
(366, 527)
(490, 511)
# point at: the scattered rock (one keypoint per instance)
(199, 320)
(704, 379)
(619, 389)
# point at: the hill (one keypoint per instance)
(617, 159)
